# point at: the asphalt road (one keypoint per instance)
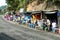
(9, 31)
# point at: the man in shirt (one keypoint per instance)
(47, 23)
(54, 26)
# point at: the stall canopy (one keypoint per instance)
(49, 12)
(36, 12)
(27, 13)
(36, 15)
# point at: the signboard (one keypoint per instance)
(21, 10)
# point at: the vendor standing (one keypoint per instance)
(54, 25)
(47, 23)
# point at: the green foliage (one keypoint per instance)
(12, 4)
(2, 9)
(21, 4)
(17, 4)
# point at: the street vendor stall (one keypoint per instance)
(27, 17)
(36, 17)
(51, 15)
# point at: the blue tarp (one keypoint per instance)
(27, 17)
(59, 13)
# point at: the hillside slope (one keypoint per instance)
(34, 6)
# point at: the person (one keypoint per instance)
(13, 16)
(29, 21)
(35, 24)
(47, 23)
(40, 23)
(44, 25)
(54, 25)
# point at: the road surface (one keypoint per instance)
(9, 31)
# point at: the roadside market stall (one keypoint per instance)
(51, 15)
(36, 17)
(27, 17)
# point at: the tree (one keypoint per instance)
(12, 4)
(17, 4)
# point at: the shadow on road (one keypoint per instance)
(4, 36)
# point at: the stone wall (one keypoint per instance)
(34, 6)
